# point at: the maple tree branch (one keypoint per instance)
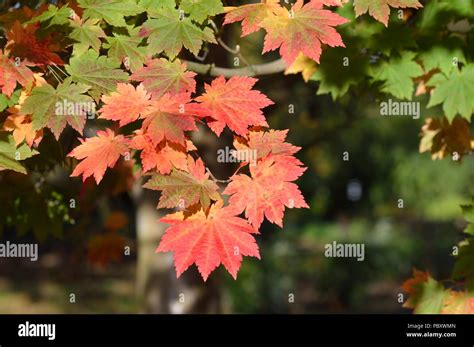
(214, 178)
(273, 67)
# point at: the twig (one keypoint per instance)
(214, 178)
(273, 67)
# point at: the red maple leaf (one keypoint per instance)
(169, 117)
(12, 72)
(161, 76)
(268, 190)
(22, 43)
(233, 103)
(162, 157)
(208, 240)
(125, 105)
(98, 152)
(302, 30)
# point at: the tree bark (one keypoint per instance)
(157, 286)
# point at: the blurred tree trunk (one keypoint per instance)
(157, 286)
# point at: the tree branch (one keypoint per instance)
(276, 66)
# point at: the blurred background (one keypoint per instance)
(352, 201)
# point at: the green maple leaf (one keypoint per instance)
(397, 74)
(200, 10)
(183, 186)
(124, 46)
(380, 9)
(45, 102)
(454, 91)
(340, 68)
(99, 72)
(429, 297)
(55, 16)
(162, 76)
(171, 31)
(396, 38)
(10, 154)
(153, 5)
(112, 11)
(87, 35)
(444, 55)
(6, 101)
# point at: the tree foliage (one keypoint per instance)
(132, 61)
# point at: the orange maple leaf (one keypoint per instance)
(251, 15)
(233, 103)
(22, 43)
(302, 30)
(125, 105)
(162, 157)
(168, 118)
(98, 152)
(268, 191)
(12, 72)
(208, 240)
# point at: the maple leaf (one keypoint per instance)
(443, 138)
(47, 107)
(112, 11)
(440, 56)
(164, 158)
(426, 294)
(454, 92)
(126, 48)
(171, 32)
(233, 103)
(458, 303)
(125, 105)
(98, 153)
(22, 43)
(10, 155)
(168, 118)
(397, 75)
(334, 76)
(380, 10)
(185, 188)
(302, 64)
(200, 10)
(208, 240)
(99, 72)
(265, 143)
(12, 72)
(53, 15)
(152, 5)
(22, 129)
(410, 285)
(87, 34)
(251, 15)
(302, 30)
(161, 76)
(268, 190)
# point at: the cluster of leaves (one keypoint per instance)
(126, 59)
(423, 51)
(121, 57)
(427, 295)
